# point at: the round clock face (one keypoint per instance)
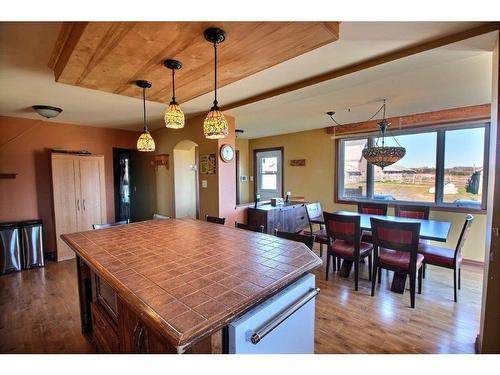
(227, 153)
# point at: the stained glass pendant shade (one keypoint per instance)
(174, 117)
(383, 156)
(215, 125)
(145, 143)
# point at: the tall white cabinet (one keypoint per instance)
(79, 196)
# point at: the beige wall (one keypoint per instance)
(315, 182)
(219, 198)
(242, 147)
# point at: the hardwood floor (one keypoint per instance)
(39, 313)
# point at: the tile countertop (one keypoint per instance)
(191, 278)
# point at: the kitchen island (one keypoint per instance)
(173, 286)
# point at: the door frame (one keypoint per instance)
(116, 152)
(282, 151)
(237, 158)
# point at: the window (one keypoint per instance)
(269, 180)
(442, 166)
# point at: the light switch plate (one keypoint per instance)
(204, 184)
(251, 178)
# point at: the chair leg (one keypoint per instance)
(459, 269)
(455, 284)
(356, 273)
(412, 289)
(321, 250)
(374, 278)
(423, 270)
(370, 261)
(420, 275)
(334, 263)
(379, 275)
(327, 265)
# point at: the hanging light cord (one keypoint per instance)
(355, 126)
(215, 75)
(173, 85)
(144, 108)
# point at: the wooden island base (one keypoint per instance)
(112, 326)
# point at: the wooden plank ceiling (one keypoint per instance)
(111, 56)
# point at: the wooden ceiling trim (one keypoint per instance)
(379, 60)
(67, 40)
(460, 114)
(110, 56)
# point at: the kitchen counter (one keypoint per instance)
(187, 278)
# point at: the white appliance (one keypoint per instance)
(284, 324)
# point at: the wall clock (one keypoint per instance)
(227, 153)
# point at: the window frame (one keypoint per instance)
(440, 131)
(255, 168)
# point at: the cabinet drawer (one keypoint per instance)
(104, 331)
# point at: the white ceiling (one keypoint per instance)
(436, 79)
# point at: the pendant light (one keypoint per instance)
(215, 125)
(145, 143)
(383, 156)
(174, 117)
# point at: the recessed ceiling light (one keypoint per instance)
(47, 111)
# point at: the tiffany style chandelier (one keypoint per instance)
(145, 143)
(379, 154)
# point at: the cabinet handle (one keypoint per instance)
(78, 204)
(84, 204)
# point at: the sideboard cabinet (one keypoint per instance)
(291, 217)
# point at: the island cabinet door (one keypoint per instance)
(136, 336)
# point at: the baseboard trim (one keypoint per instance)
(471, 262)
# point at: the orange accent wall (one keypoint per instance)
(25, 149)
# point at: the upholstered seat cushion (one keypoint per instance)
(345, 249)
(320, 236)
(400, 259)
(438, 256)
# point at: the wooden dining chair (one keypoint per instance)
(412, 212)
(215, 219)
(313, 211)
(371, 209)
(448, 258)
(396, 248)
(253, 228)
(344, 242)
(307, 240)
(107, 225)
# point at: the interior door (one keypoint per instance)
(269, 173)
(67, 204)
(90, 191)
(142, 186)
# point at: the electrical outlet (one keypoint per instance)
(204, 184)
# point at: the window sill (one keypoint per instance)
(432, 207)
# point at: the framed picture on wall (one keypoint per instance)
(207, 164)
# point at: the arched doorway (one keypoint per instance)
(186, 179)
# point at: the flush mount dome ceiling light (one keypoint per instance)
(215, 125)
(379, 155)
(47, 111)
(145, 143)
(174, 117)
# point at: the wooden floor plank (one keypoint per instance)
(39, 313)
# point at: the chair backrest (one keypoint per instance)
(307, 240)
(412, 212)
(372, 208)
(313, 210)
(160, 217)
(401, 236)
(253, 228)
(215, 219)
(343, 227)
(107, 225)
(463, 235)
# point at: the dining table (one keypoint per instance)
(434, 230)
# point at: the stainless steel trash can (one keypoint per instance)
(32, 243)
(10, 248)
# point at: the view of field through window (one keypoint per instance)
(413, 178)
